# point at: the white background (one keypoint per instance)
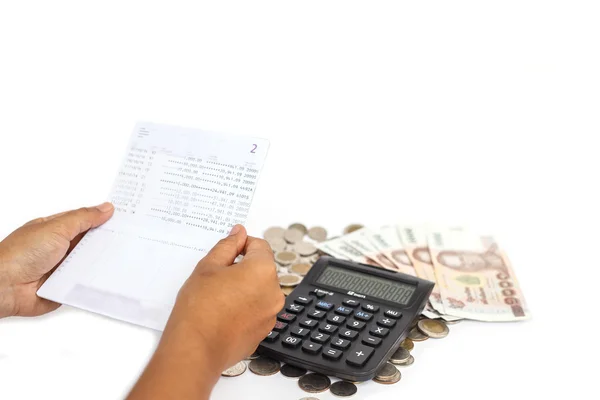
(482, 113)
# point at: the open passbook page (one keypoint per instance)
(177, 193)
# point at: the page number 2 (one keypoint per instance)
(254, 148)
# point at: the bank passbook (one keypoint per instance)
(346, 319)
(177, 192)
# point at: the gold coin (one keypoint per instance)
(289, 280)
(352, 227)
(407, 344)
(434, 328)
(287, 290)
(301, 268)
(286, 257)
(416, 336)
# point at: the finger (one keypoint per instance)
(258, 252)
(227, 249)
(44, 219)
(73, 223)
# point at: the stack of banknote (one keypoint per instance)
(474, 278)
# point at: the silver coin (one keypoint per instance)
(277, 244)
(286, 257)
(314, 258)
(273, 232)
(317, 233)
(314, 383)
(386, 372)
(400, 356)
(408, 362)
(236, 370)
(264, 366)
(300, 227)
(292, 371)
(453, 322)
(434, 328)
(343, 388)
(253, 356)
(289, 280)
(393, 379)
(293, 236)
(305, 249)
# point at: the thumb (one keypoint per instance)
(226, 250)
(72, 223)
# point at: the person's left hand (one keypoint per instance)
(30, 254)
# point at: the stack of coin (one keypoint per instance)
(388, 374)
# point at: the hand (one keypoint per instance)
(221, 314)
(30, 254)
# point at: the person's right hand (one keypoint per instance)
(230, 307)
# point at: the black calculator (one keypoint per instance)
(346, 319)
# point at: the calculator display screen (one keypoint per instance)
(369, 285)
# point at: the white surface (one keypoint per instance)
(459, 112)
(178, 191)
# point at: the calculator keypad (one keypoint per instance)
(348, 331)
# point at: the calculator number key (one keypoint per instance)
(300, 332)
(336, 319)
(328, 328)
(341, 344)
(387, 322)
(333, 354)
(370, 307)
(294, 308)
(311, 347)
(308, 323)
(363, 316)
(319, 337)
(316, 314)
(356, 325)
(379, 331)
(272, 336)
(291, 341)
(348, 334)
(360, 355)
(324, 305)
(392, 314)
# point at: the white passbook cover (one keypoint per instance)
(177, 193)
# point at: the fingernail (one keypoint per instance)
(105, 207)
(235, 229)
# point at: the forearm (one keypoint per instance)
(181, 368)
(7, 302)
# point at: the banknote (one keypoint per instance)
(339, 248)
(359, 239)
(475, 277)
(386, 241)
(414, 239)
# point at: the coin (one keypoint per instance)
(400, 356)
(408, 362)
(293, 235)
(309, 398)
(299, 226)
(253, 356)
(301, 268)
(317, 233)
(343, 388)
(386, 372)
(314, 383)
(453, 322)
(286, 257)
(305, 249)
(264, 366)
(287, 290)
(352, 227)
(236, 370)
(314, 258)
(277, 244)
(291, 371)
(407, 344)
(289, 280)
(434, 328)
(416, 336)
(273, 232)
(394, 379)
